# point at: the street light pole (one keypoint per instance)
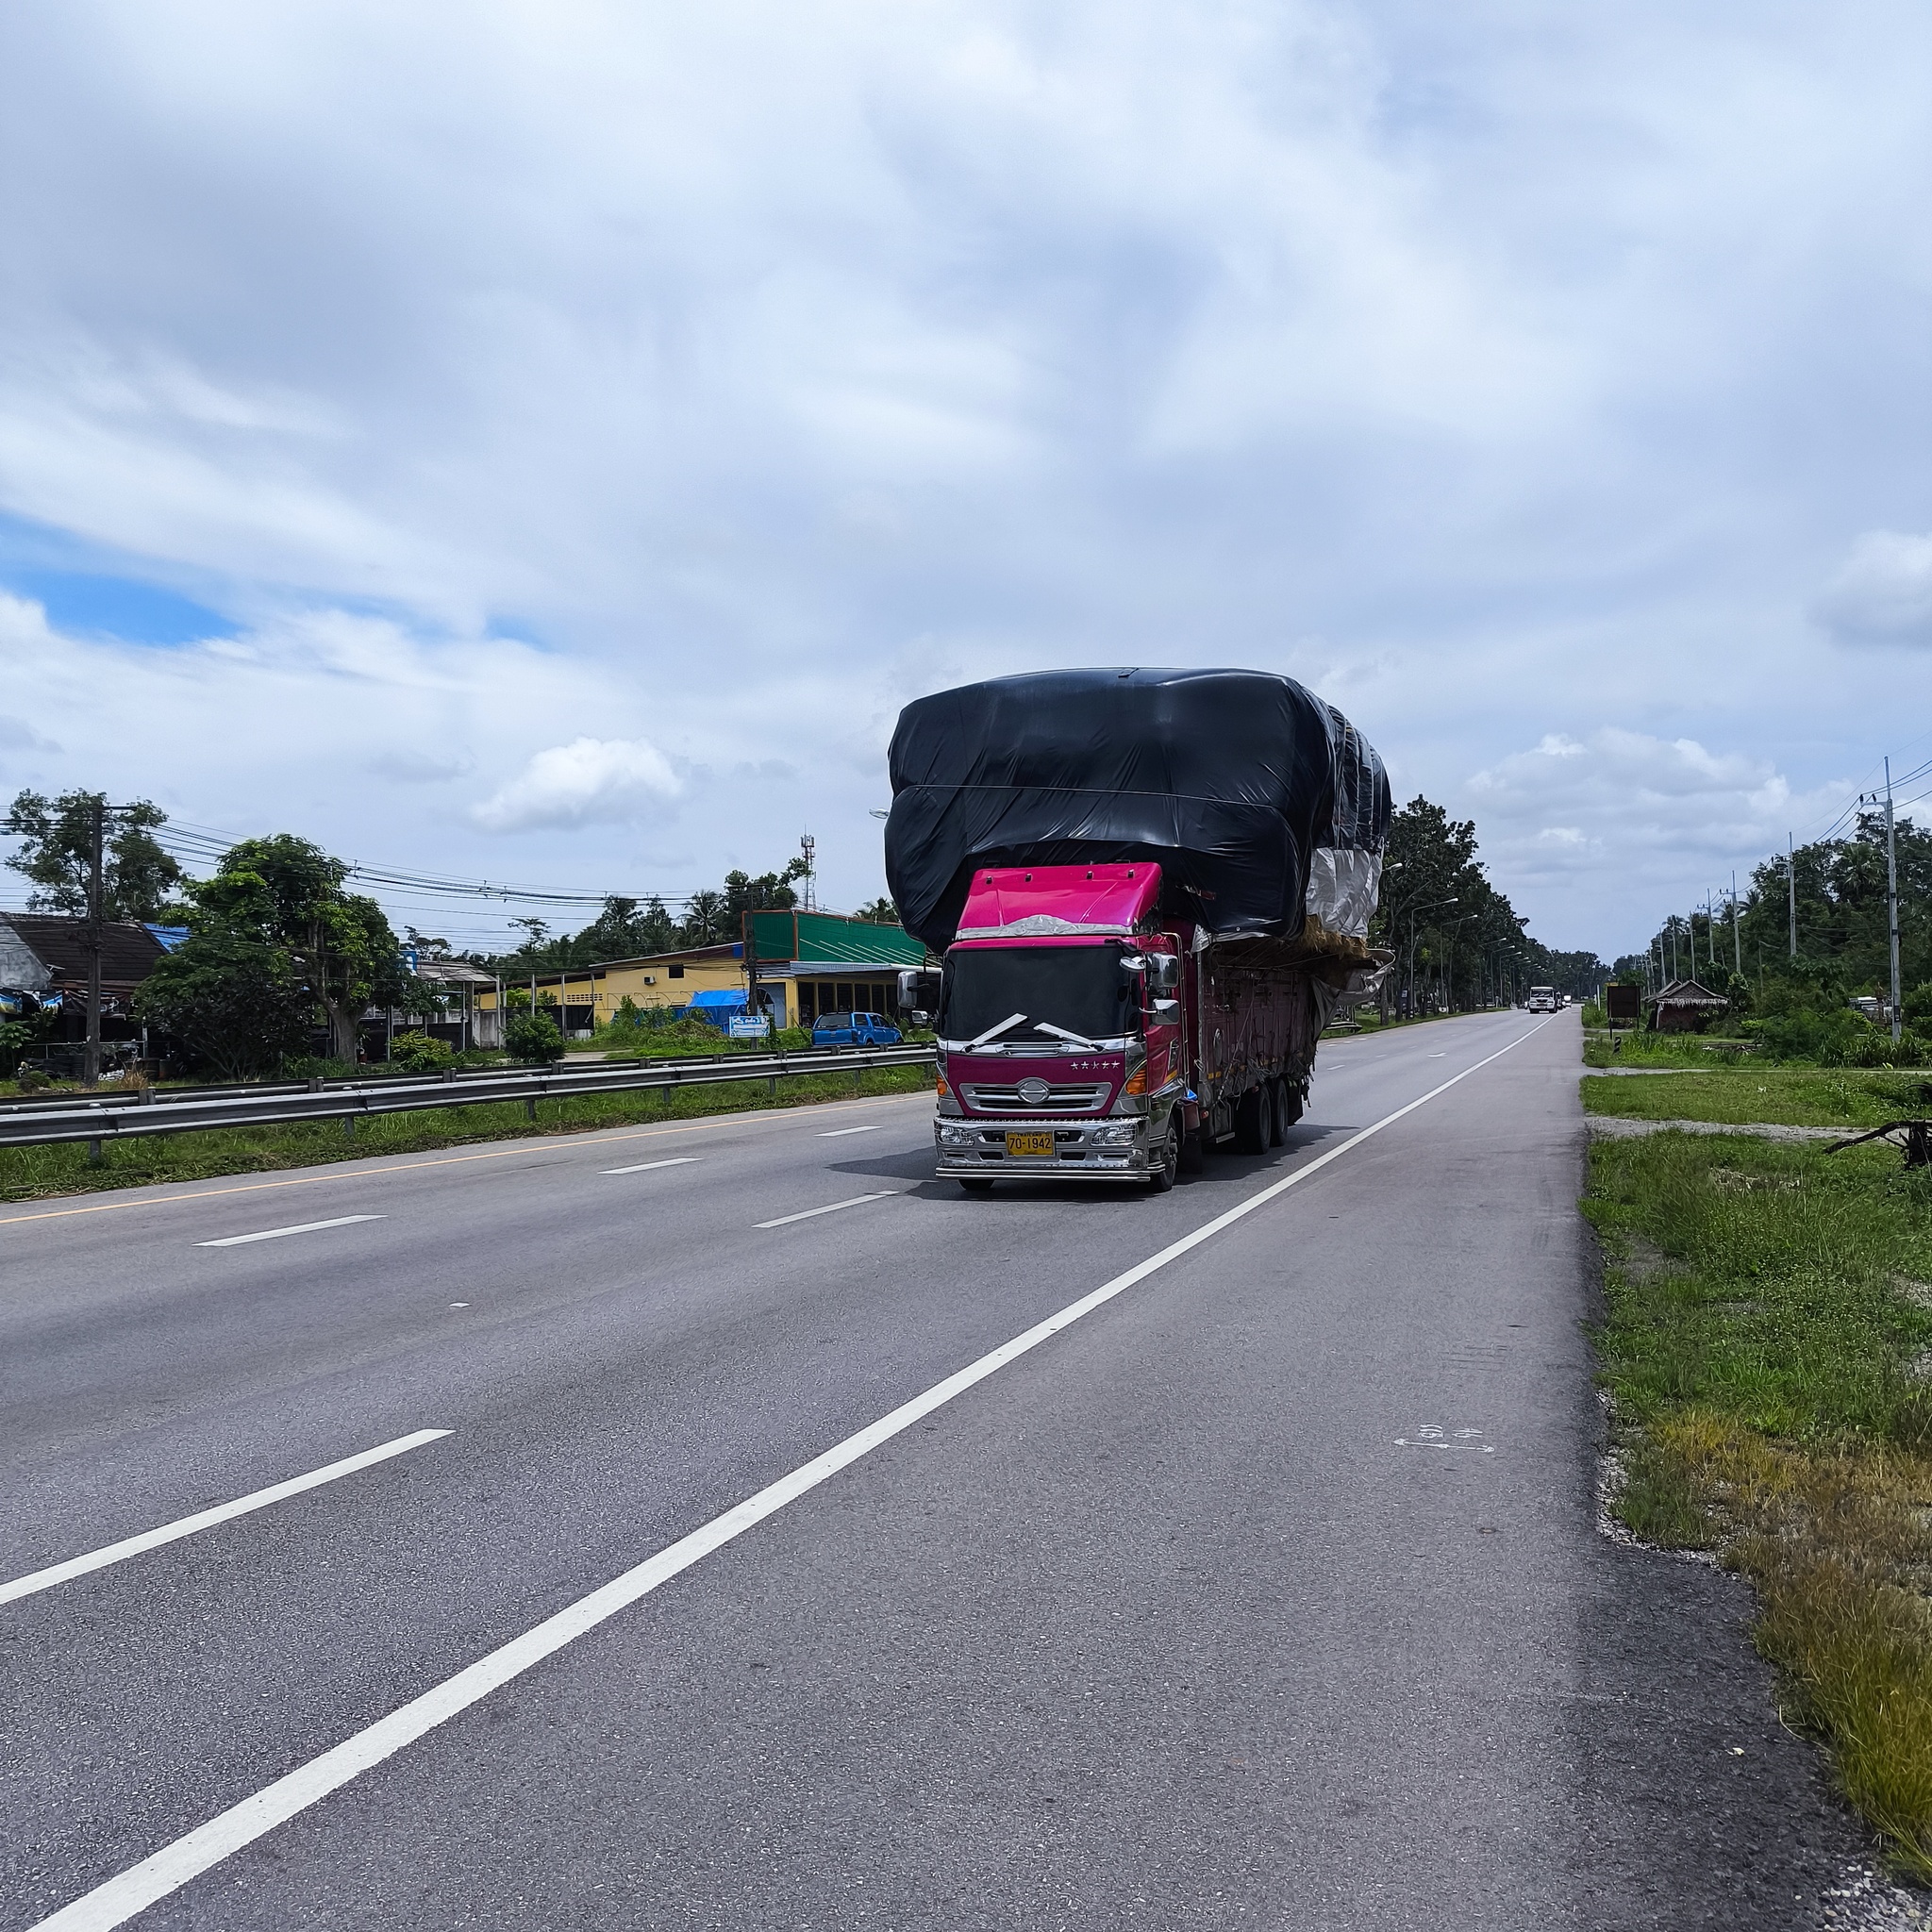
(1891, 902)
(91, 1068)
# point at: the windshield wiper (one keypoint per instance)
(995, 1032)
(1061, 1033)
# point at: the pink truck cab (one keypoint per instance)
(1071, 1036)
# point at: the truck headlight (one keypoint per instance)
(956, 1136)
(1120, 1135)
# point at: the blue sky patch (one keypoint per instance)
(123, 607)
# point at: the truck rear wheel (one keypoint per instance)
(1277, 1113)
(1251, 1116)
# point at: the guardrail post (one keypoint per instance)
(530, 1109)
(94, 1154)
(349, 1126)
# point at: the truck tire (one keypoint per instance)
(1161, 1179)
(1251, 1112)
(1277, 1113)
(978, 1184)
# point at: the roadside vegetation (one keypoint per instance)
(1767, 1348)
(27, 1172)
(1797, 1096)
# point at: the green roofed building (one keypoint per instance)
(824, 962)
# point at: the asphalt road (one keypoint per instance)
(1266, 1593)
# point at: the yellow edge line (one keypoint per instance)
(521, 1145)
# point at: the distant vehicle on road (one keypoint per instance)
(854, 1029)
(1544, 999)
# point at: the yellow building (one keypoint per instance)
(807, 963)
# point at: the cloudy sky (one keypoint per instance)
(549, 442)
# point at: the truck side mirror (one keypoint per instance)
(1166, 1012)
(918, 991)
(1164, 972)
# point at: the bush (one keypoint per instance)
(314, 1066)
(420, 1052)
(16, 1036)
(534, 1039)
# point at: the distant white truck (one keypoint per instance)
(1543, 999)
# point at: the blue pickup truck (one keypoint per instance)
(854, 1029)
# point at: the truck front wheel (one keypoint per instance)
(1161, 1179)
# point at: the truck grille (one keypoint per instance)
(1083, 1098)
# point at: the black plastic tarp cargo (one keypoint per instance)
(1231, 779)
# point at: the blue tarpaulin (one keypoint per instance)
(719, 1006)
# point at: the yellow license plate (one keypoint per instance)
(1029, 1143)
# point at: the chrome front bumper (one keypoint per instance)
(1076, 1153)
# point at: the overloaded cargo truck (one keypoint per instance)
(1150, 891)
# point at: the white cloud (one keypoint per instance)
(1882, 593)
(588, 781)
(1577, 829)
(761, 367)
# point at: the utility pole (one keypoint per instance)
(1891, 902)
(1791, 877)
(1737, 937)
(91, 1070)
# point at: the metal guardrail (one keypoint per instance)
(111, 1094)
(115, 1117)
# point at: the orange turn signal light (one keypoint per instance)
(945, 1092)
(1137, 1080)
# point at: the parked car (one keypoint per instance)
(854, 1029)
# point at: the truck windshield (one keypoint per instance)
(1077, 989)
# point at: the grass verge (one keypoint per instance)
(1788, 1097)
(1767, 1335)
(29, 1173)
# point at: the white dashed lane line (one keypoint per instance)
(275, 1234)
(646, 1166)
(836, 1132)
(206, 1519)
(832, 1207)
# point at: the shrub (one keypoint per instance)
(533, 1038)
(420, 1052)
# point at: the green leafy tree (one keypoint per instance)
(232, 994)
(706, 921)
(880, 912)
(56, 854)
(338, 942)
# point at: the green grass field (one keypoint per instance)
(1787, 1096)
(1767, 1343)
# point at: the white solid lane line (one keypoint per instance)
(857, 1201)
(645, 1166)
(876, 1128)
(275, 1234)
(206, 1519)
(133, 1890)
